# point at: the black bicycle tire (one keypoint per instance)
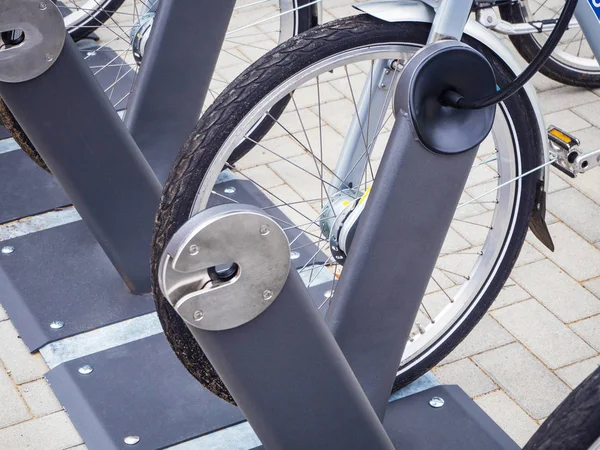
(231, 106)
(575, 423)
(528, 47)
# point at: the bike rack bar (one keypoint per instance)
(407, 216)
(83, 141)
(176, 71)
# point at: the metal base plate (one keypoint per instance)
(150, 394)
(26, 188)
(138, 389)
(62, 274)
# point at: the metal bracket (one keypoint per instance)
(256, 255)
(44, 36)
(570, 159)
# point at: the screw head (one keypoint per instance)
(198, 315)
(264, 230)
(229, 190)
(8, 250)
(49, 57)
(294, 255)
(57, 324)
(131, 440)
(490, 19)
(383, 85)
(43, 6)
(85, 370)
(267, 295)
(436, 402)
(193, 250)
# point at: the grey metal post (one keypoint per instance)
(83, 141)
(176, 71)
(408, 214)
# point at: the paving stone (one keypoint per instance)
(589, 112)
(40, 398)
(558, 292)
(12, 407)
(589, 329)
(511, 293)
(14, 354)
(270, 150)
(556, 183)
(528, 255)
(52, 432)
(564, 97)
(537, 390)
(263, 176)
(577, 211)
(541, 82)
(467, 375)
(486, 335)
(573, 254)
(543, 334)
(574, 374)
(593, 286)
(566, 120)
(506, 413)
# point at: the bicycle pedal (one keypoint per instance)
(570, 159)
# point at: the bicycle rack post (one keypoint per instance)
(176, 71)
(263, 334)
(91, 153)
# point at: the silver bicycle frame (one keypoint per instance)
(449, 21)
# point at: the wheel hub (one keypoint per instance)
(341, 217)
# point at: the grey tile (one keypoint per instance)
(590, 112)
(566, 120)
(565, 97)
(52, 432)
(528, 255)
(467, 375)
(589, 329)
(12, 407)
(40, 398)
(16, 357)
(535, 388)
(510, 293)
(543, 334)
(486, 335)
(558, 292)
(577, 211)
(573, 254)
(506, 413)
(576, 373)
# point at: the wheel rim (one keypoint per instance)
(573, 50)
(431, 330)
(256, 27)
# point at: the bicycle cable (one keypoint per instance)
(453, 98)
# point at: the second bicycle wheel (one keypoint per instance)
(572, 62)
(302, 166)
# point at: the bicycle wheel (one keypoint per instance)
(255, 28)
(575, 423)
(572, 62)
(324, 71)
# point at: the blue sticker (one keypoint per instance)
(595, 4)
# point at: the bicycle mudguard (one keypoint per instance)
(417, 11)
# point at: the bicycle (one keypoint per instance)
(317, 166)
